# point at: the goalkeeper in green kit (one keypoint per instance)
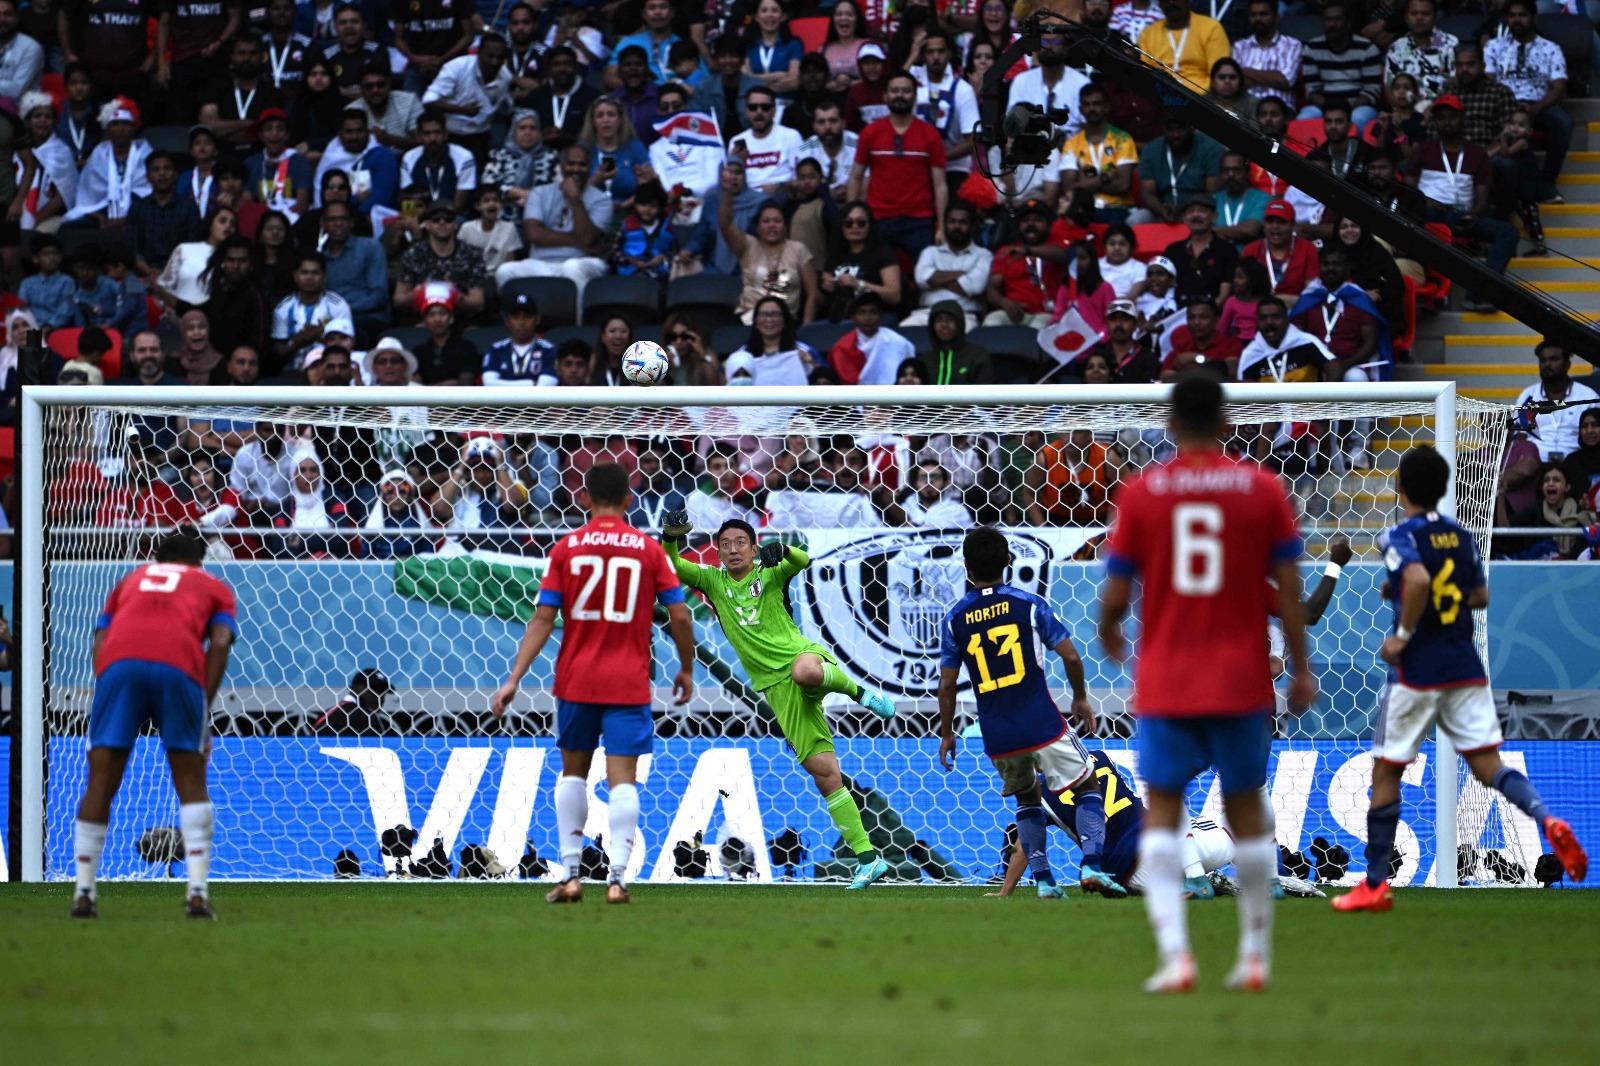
(790, 670)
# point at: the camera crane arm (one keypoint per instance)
(1122, 63)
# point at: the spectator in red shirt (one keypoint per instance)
(1026, 274)
(899, 166)
(1199, 340)
(1291, 261)
(864, 104)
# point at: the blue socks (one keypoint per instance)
(1091, 807)
(1030, 835)
(1381, 825)
(1516, 787)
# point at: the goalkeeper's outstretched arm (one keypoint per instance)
(534, 638)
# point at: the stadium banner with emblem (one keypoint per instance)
(287, 807)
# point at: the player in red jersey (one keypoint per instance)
(1204, 532)
(603, 579)
(160, 649)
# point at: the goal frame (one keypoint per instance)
(30, 451)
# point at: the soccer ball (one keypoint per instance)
(645, 363)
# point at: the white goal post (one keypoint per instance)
(722, 772)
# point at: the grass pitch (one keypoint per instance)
(409, 973)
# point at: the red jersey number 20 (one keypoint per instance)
(621, 575)
(1197, 549)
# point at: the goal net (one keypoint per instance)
(385, 546)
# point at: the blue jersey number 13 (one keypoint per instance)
(1009, 641)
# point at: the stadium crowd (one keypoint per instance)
(780, 194)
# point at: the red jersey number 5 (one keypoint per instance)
(161, 578)
(1197, 549)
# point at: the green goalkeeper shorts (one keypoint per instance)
(801, 718)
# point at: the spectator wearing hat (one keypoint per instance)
(1204, 262)
(1174, 169)
(117, 173)
(956, 271)
(437, 169)
(388, 364)
(278, 177)
(357, 268)
(1290, 259)
(565, 223)
(359, 712)
(1026, 274)
(899, 171)
(1159, 297)
(443, 256)
(1241, 207)
(235, 104)
(1133, 358)
(524, 358)
(865, 103)
(374, 170)
(1455, 175)
(445, 358)
(482, 493)
(954, 360)
(869, 354)
(399, 507)
(79, 372)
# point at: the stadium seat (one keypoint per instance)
(1465, 27)
(8, 451)
(824, 335)
(589, 335)
(1154, 237)
(1404, 333)
(709, 298)
(811, 32)
(1016, 369)
(636, 299)
(1305, 28)
(729, 339)
(171, 138)
(56, 86)
(650, 332)
(483, 337)
(919, 336)
(74, 238)
(1575, 35)
(1306, 134)
(64, 342)
(557, 298)
(409, 336)
(1020, 341)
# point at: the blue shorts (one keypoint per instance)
(1121, 857)
(627, 730)
(131, 692)
(1172, 751)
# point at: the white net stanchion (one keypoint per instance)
(403, 535)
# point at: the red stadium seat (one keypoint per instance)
(8, 451)
(1153, 238)
(64, 342)
(1405, 331)
(811, 32)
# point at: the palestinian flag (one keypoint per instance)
(485, 583)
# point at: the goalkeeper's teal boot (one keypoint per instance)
(877, 702)
(866, 873)
(1091, 879)
(1198, 888)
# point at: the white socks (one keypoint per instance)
(1256, 860)
(1160, 858)
(196, 819)
(624, 827)
(572, 811)
(88, 841)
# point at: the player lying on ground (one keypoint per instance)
(1207, 846)
(160, 649)
(1436, 580)
(748, 593)
(999, 634)
(603, 578)
(1203, 532)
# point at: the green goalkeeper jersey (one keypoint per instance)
(753, 613)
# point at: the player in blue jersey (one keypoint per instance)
(1436, 580)
(1000, 634)
(160, 649)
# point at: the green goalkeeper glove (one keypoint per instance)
(676, 524)
(772, 553)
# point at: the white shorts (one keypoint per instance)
(1064, 763)
(1466, 715)
(1206, 848)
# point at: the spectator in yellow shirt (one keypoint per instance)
(1185, 43)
